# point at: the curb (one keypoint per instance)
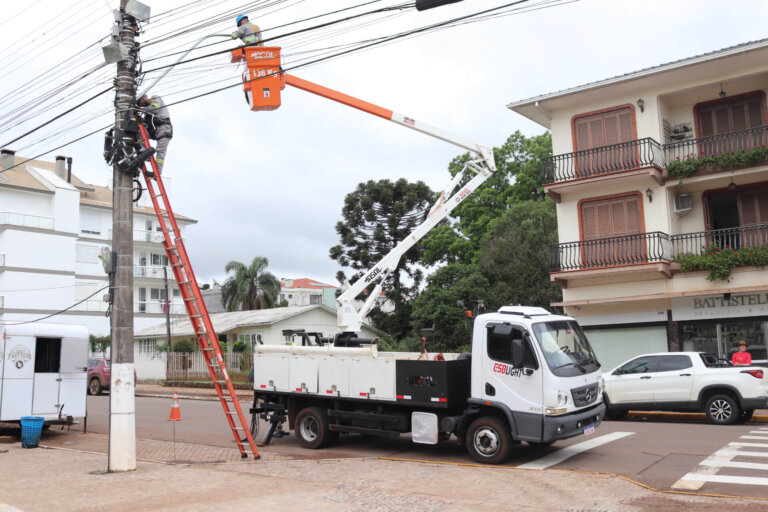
(688, 416)
(183, 397)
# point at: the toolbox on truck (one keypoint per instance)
(433, 383)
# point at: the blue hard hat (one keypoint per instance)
(241, 18)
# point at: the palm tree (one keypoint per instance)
(250, 287)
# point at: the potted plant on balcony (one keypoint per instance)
(692, 163)
(719, 263)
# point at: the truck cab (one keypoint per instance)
(538, 371)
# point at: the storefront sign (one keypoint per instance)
(720, 306)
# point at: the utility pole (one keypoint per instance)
(122, 406)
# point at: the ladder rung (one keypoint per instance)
(191, 298)
(196, 316)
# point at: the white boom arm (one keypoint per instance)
(348, 317)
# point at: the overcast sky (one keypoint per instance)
(272, 183)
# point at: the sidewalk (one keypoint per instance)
(72, 479)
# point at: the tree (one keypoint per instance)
(98, 343)
(437, 305)
(514, 254)
(183, 346)
(376, 217)
(251, 287)
(517, 178)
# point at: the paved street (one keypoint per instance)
(668, 455)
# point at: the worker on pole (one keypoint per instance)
(248, 32)
(158, 123)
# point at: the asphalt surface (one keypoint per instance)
(684, 456)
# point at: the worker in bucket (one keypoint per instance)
(158, 123)
(248, 32)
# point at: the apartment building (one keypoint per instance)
(53, 227)
(306, 292)
(659, 175)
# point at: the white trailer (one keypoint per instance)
(43, 369)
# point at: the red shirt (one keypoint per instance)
(741, 358)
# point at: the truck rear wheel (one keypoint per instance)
(312, 428)
(489, 440)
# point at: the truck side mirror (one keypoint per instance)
(517, 353)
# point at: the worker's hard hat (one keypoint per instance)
(241, 18)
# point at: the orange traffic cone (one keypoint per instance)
(175, 410)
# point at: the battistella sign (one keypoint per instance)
(720, 306)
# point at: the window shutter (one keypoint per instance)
(582, 134)
(706, 126)
(596, 134)
(634, 221)
(589, 228)
(604, 228)
(755, 112)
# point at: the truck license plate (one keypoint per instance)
(589, 430)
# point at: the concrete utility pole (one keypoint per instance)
(122, 406)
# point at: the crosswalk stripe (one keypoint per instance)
(743, 453)
(764, 438)
(759, 432)
(731, 464)
(751, 445)
(744, 480)
(569, 451)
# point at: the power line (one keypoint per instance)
(56, 313)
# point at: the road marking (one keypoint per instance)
(745, 480)
(764, 438)
(743, 454)
(569, 451)
(731, 464)
(761, 431)
(751, 445)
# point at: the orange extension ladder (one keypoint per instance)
(198, 313)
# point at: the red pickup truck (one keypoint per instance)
(98, 375)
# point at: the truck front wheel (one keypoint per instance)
(312, 428)
(489, 440)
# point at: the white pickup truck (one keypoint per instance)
(686, 381)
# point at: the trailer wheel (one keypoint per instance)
(94, 387)
(488, 440)
(312, 428)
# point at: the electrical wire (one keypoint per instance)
(56, 313)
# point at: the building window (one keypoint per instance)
(728, 210)
(159, 259)
(607, 219)
(90, 223)
(730, 115)
(598, 130)
(315, 299)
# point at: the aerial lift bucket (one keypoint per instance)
(262, 82)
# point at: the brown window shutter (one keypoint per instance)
(589, 225)
(619, 217)
(706, 125)
(604, 224)
(739, 116)
(748, 207)
(634, 219)
(722, 120)
(611, 124)
(582, 134)
(755, 111)
(596, 133)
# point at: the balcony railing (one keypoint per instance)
(154, 307)
(610, 252)
(140, 235)
(735, 238)
(725, 143)
(27, 221)
(151, 271)
(603, 160)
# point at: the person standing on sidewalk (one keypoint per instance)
(742, 357)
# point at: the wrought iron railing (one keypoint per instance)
(725, 143)
(735, 238)
(610, 252)
(603, 160)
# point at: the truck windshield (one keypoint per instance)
(564, 345)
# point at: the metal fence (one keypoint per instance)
(726, 143)
(610, 252)
(603, 160)
(735, 238)
(190, 366)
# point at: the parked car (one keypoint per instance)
(685, 381)
(98, 375)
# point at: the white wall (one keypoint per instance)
(614, 346)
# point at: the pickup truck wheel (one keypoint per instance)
(488, 440)
(722, 410)
(94, 387)
(312, 428)
(745, 416)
